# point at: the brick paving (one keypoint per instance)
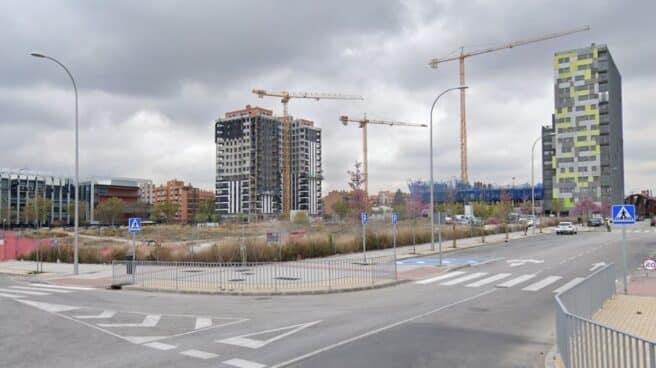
(630, 313)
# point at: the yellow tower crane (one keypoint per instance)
(461, 58)
(286, 132)
(363, 124)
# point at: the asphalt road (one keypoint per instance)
(465, 319)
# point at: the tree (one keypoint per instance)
(165, 211)
(139, 209)
(110, 210)
(482, 209)
(37, 210)
(358, 201)
(585, 207)
(503, 208)
(206, 212)
(398, 199)
(83, 208)
(341, 208)
(558, 205)
(301, 218)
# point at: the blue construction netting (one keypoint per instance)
(463, 192)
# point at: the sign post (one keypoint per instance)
(395, 220)
(364, 219)
(623, 214)
(649, 264)
(134, 226)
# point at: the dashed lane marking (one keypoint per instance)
(199, 354)
(151, 320)
(160, 346)
(459, 280)
(102, 315)
(241, 363)
(515, 281)
(438, 278)
(78, 288)
(542, 283)
(569, 285)
(203, 322)
(488, 280)
(12, 296)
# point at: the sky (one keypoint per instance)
(153, 76)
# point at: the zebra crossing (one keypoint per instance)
(527, 282)
(36, 289)
(641, 231)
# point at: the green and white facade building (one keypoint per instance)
(584, 158)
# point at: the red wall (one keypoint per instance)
(14, 247)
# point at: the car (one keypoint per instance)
(566, 228)
(595, 222)
(653, 221)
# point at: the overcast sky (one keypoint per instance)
(154, 75)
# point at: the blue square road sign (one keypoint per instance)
(134, 224)
(363, 218)
(395, 218)
(623, 214)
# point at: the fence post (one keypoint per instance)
(176, 275)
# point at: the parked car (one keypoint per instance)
(653, 221)
(595, 222)
(566, 228)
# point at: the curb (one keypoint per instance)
(264, 293)
(550, 357)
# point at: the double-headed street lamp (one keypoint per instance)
(432, 195)
(77, 162)
(533, 180)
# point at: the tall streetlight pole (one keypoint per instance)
(533, 180)
(77, 163)
(432, 189)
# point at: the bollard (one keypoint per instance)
(453, 234)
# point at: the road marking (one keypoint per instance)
(151, 320)
(160, 346)
(203, 322)
(542, 283)
(575, 281)
(597, 265)
(11, 296)
(133, 339)
(199, 354)
(78, 288)
(488, 280)
(521, 262)
(438, 278)
(241, 363)
(104, 314)
(379, 330)
(24, 292)
(49, 307)
(516, 280)
(247, 342)
(41, 289)
(471, 276)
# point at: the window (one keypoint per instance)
(580, 108)
(583, 67)
(563, 70)
(579, 78)
(563, 60)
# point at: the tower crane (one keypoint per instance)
(461, 58)
(363, 124)
(286, 132)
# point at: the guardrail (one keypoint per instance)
(586, 343)
(324, 274)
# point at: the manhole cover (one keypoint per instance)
(235, 280)
(285, 278)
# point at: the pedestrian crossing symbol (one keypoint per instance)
(134, 224)
(624, 214)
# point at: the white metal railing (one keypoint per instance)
(322, 274)
(586, 343)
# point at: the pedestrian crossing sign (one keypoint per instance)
(623, 214)
(134, 224)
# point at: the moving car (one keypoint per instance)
(566, 228)
(595, 221)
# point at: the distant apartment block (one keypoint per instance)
(584, 158)
(187, 197)
(249, 164)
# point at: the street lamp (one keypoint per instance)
(533, 180)
(77, 162)
(432, 189)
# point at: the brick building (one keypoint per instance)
(187, 197)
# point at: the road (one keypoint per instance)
(495, 314)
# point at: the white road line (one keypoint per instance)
(542, 283)
(248, 342)
(160, 346)
(438, 278)
(151, 320)
(379, 330)
(12, 296)
(52, 308)
(203, 322)
(569, 285)
(63, 287)
(241, 363)
(24, 292)
(471, 276)
(199, 354)
(489, 280)
(104, 314)
(515, 281)
(42, 290)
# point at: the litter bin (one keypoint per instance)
(130, 264)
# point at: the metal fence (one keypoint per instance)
(323, 274)
(585, 343)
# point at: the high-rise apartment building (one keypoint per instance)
(583, 148)
(249, 164)
(187, 197)
(306, 167)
